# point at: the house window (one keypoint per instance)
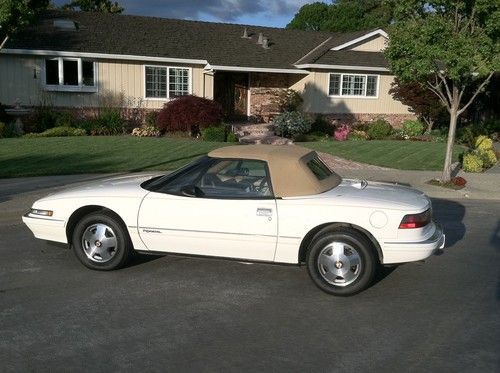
(178, 82)
(167, 82)
(334, 84)
(357, 85)
(52, 72)
(156, 82)
(70, 74)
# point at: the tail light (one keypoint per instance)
(416, 220)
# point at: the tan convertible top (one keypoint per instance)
(290, 175)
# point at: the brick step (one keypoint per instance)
(270, 140)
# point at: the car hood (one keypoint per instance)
(377, 195)
(118, 186)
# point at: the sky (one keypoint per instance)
(275, 13)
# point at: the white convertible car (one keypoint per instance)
(278, 204)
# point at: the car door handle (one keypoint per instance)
(264, 212)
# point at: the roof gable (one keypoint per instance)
(360, 39)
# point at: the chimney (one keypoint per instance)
(261, 38)
(245, 34)
(265, 43)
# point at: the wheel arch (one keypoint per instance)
(85, 210)
(306, 241)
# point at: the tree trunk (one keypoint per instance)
(4, 41)
(449, 145)
(430, 123)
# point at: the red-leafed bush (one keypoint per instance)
(458, 181)
(189, 113)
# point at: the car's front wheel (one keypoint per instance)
(341, 262)
(101, 242)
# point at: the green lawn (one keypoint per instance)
(71, 155)
(404, 155)
(96, 154)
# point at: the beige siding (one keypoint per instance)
(17, 80)
(119, 82)
(316, 99)
(375, 44)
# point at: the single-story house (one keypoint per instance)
(87, 60)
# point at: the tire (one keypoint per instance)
(101, 242)
(341, 261)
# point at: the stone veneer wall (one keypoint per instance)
(265, 89)
(396, 120)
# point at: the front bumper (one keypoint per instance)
(402, 252)
(45, 228)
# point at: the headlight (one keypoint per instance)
(41, 212)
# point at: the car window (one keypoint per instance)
(318, 168)
(188, 177)
(236, 179)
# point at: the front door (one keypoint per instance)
(231, 91)
(224, 209)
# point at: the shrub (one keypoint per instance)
(42, 118)
(472, 163)
(492, 128)
(342, 132)
(412, 128)
(289, 100)
(483, 143)
(291, 123)
(458, 181)
(108, 122)
(321, 125)
(66, 119)
(58, 132)
(231, 137)
(189, 113)
(146, 131)
(488, 157)
(379, 129)
(8, 130)
(215, 134)
(361, 126)
(151, 118)
(358, 135)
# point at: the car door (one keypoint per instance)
(224, 208)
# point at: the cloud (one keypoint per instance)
(220, 10)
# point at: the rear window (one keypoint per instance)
(319, 169)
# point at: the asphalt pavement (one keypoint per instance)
(190, 314)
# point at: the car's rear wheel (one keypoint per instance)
(341, 262)
(101, 242)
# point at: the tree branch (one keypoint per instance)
(448, 92)
(4, 41)
(479, 89)
(438, 92)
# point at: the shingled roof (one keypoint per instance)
(219, 44)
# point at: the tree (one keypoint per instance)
(103, 6)
(17, 14)
(421, 101)
(342, 16)
(310, 17)
(450, 46)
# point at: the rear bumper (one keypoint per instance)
(46, 228)
(402, 252)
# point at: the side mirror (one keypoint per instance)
(191, 191)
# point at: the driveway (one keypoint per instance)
(189, 314)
